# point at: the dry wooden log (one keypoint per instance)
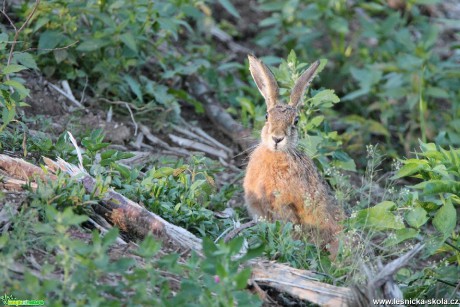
(21, 169)
(300, 284)
(183, 142)
(216, 113)
(157, 141)
(129, 216)
(211, 140)
(12, 184)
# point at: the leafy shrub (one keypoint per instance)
(383, 60)
(426, 213)
(68, 267)
(12, 89)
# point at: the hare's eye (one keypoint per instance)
(296, 120)
(266, 116)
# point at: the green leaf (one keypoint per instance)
(339, 25)
(316, 121)
(292, 57)
(209, 248)
(377, 128)
(92, 45)
(25, 59)
(13, 68)
(129, 40)
(8, 115)
(228, 6)
(242, 277)
(110, 237)
(324, 96)
(134, 86)
(253, 253)
(21, 89)
(416, 217)
(379, 217)
(235, 245)
(50, 40)
(401, 235)
(411, 167)
(442, 186)
(148, 247)
(445, 219)
(163, 172)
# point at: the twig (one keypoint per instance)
(217, 114)
(67, 89)
(391, 268)
(198, 146)
(52, 49)
(84, 91)
(105, 231)
(157, 141)
(238, 230)
(71, 99)
(132, 118)
(77, 149)
(212, 140)
(109, 116)
(139, 139)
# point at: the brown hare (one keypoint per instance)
(282, 183)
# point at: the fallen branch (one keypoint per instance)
(21, 169)
(129, 216)
(218, 115)
(12, 184)
(301, 284)
(183, 142)
(232, 234)
(211, 140)
(66, 95)
(157, 141)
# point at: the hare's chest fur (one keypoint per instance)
(278, 184)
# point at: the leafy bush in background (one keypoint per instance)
(400, 89)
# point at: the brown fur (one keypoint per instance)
(281, 182)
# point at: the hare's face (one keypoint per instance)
(280, 132)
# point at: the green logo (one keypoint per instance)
(9, 300)
(5, 298)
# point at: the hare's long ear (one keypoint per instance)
(265, 80)
(302, 83)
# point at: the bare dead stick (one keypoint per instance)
(183, 142)
(195, 132)
(238, 230)
(21, 169)
(12, 184)
(217, 114)
(129, 216)
(157, 141)
(63, 93)
(300, 284)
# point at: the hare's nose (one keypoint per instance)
(277, 140)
